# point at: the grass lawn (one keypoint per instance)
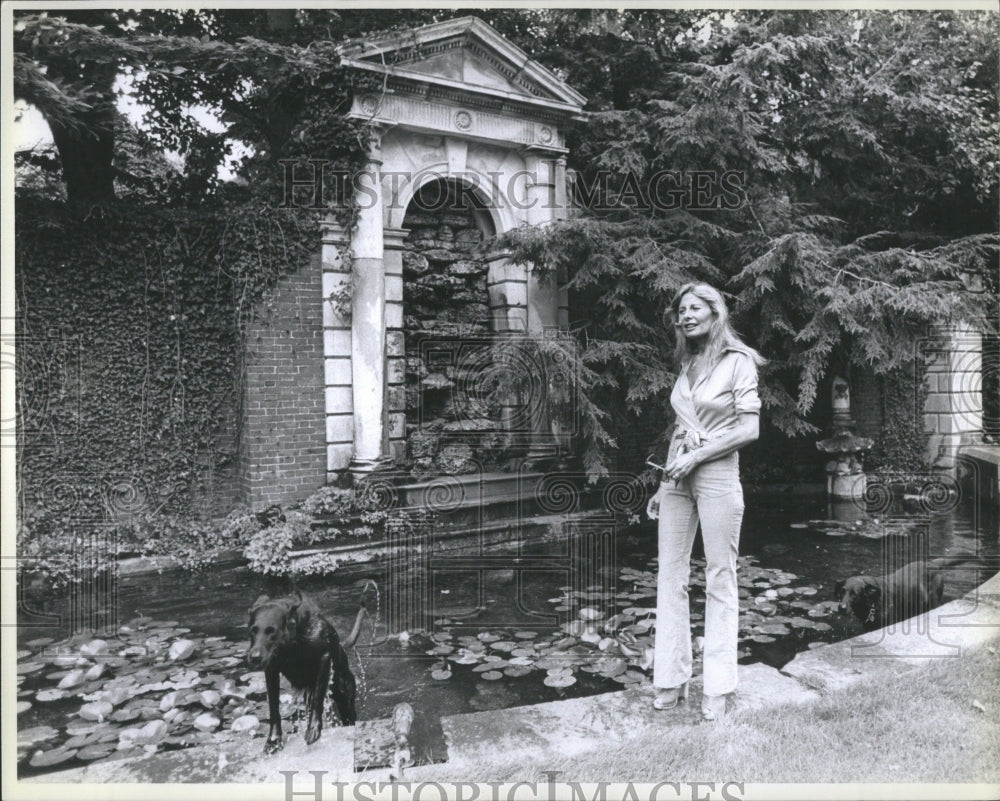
(932, 723)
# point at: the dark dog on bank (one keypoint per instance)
(289, 636)
(878, 601)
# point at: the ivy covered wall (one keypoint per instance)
(130, 335)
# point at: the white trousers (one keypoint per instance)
(711, 495)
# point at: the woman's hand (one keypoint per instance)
(682, 464)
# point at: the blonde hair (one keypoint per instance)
(720, 334)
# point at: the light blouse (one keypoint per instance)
(713, 405)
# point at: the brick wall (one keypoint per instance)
(283, 453)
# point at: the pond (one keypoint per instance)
(562, 618)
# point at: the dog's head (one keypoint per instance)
(273, 622)
(862, 597)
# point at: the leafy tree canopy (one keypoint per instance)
(860, 149)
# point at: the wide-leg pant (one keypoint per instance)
(712, 496)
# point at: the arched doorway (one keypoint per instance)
(454, 406)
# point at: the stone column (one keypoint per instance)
(506, 284)
(337, 348)
(953, 411)
(561, 212)
(368, 320)
(394, 437)
(542, 298)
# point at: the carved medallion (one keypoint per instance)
(463, 120)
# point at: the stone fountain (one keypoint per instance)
(845, 477)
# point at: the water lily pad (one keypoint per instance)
(46, 696)
(189, 677)
(821, 626)
(521, 660)
(779, 629)
(611, 667)
(485, 667)
(75, 727)
(441, 675)
(491, 675)
(206, 722)
(486, 636)
(96, 672)
(522, 652)
(97, 710)
(93, 648)
(40, 642)
(95, 751)
(44, 759)
(559, 680)
(245, 723)
(169, 701)
(153, 732)
(763, 638)
(588, 613)
(466, 658)
(574, 628)
(36, 734)
(72, 679)
(113, 695)
(80, 740)
(24, 668)
(525, 635)
(124, 715)
(23, 706)
(503, 645)
(516, 671)
(561, 670)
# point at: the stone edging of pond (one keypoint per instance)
(559, 729)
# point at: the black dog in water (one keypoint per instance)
(289, 636)
(878, 601)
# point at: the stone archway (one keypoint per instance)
(464, 107)
(454, 414)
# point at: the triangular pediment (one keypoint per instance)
(466, 52)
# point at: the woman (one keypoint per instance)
(715, 398)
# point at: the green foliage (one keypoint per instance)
(902, 443)
(865, 146)
(131, 339)
(328, 515)
(842, 125)
(62, 550)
